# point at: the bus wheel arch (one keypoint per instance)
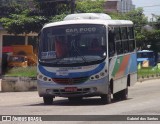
(111, 85)
(128, 80)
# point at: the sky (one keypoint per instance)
(149, 6)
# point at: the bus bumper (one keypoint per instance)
(89, 88)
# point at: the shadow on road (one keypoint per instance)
(83, 102)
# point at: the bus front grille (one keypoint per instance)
(70, 81)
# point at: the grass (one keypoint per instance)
(22, 72)
(148, 72)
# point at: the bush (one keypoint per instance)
(22, 72)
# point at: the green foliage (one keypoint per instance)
(58, 17)
(22, 72)
(157, 23)
(25, 20)
(148, 72)
(139, 21)
(88, 6)
(23, 23)
(51, 8)
(12, 7)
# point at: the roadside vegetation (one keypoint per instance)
(148, 72)
(22, 72)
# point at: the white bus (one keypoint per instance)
(86, 55)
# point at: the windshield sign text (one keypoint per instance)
(81, 30)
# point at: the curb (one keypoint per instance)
(18, 84)
(147, 78)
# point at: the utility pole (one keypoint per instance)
(72, 6)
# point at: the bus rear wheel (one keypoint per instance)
(124, 94)
(121, 95)
(106, 98)
(48, 100)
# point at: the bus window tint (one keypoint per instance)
(125, 46)
(131, 39)
(119, 47)
(131, 45)
(124, 36)
(111, 43)
(117, 33)
(124, 33)
(130, 33)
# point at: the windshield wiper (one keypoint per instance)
(77, 51)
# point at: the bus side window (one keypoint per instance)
(124, 35)
(118, 41)
(119, 49)
(131, 39)
(111, 42)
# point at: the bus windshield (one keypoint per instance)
(69, 44)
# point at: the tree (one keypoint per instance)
(11, 7)
(27, 20)
(139, 21)
(88, 6)
(23, 23)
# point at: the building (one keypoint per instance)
(120, 6)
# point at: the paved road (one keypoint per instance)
(144, 99)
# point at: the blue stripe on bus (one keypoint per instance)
(133, 67)
(72, 74)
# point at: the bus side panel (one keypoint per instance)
(119, 69)
(133, 69)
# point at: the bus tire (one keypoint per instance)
(121, 95)
(106, 98)
(74, 99)
(124, 94)
(48, 100)
(116, 96)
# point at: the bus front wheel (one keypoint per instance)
(48, 100)
(106, 98)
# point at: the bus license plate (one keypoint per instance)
(70, 89)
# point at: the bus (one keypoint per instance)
(86, 55)
(148, 56)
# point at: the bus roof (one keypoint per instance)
(88, 21)
(84, 19)
(101, 16)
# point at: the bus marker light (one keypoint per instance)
(92, 78)
(49, 91)
(97, 76)
(45, 78)
(102, 73)
(40, 76)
